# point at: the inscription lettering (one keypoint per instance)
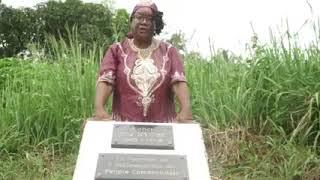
(142, 136)
(141, 166)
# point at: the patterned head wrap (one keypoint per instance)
(145, 3)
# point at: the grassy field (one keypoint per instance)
(260, 115)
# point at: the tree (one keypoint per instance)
(95, 24)
(94, 21)
(178, 40)
(18, 27)
(120, 24)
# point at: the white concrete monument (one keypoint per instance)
(112, 150)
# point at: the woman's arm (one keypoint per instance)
(105, 83)
(180, 89)
(103, 91)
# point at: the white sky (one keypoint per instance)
(225, 22)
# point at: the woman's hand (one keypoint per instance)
(101, 115)
(184, 116)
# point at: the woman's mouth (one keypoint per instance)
(143, 30)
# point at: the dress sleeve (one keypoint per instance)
(108, 66)
(177, 69)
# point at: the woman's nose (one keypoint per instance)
(144, 20)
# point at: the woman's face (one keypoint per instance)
(143, 23)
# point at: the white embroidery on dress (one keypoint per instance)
(163, 71)
(177, 76)
(145, 75)
(107, 77)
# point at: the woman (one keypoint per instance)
(144, 74)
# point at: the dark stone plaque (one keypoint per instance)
(142, 136)
(113, 166)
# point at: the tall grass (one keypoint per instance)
(44, 103)
(273, 94)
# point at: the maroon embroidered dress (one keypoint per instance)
(142, 80)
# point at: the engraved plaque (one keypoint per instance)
(112, 166)
(142, 136)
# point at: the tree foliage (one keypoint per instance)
(120, 24)
(178, 40)
(17, 28)
(95, 24)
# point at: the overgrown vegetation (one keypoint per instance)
(260, 114)
(96, 23)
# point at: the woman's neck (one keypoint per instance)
(142, 44)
